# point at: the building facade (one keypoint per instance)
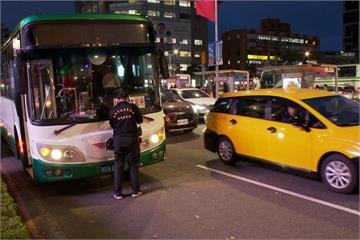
(272, 44)
(351, 27)
(180, 33)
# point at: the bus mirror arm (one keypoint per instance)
(20, 78)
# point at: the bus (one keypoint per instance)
(349, 80)
(343, 79)
(59, 78)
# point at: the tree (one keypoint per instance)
(5, 33)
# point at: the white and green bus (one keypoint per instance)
(59, 77)
(349, 80)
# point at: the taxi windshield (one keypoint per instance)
(339, 110)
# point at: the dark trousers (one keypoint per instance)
(131, 155)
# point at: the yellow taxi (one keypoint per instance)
(306, 129)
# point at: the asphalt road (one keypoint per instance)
(183, 200)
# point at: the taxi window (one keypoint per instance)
(286, 111)
(222, 105)
(251, 106)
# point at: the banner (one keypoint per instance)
(219, 58)
(211, 54)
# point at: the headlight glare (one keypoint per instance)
(56, 154)
(154, 138)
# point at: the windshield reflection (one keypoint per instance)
(81, 84)
(339, 110)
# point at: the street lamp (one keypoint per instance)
(307, 53)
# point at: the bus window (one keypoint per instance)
(347, 71)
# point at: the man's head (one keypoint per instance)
(292, 110)
(122, 95)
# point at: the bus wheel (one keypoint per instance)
(226, 151)
(22, 156)
(339, 173)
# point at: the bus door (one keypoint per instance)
(43, 90)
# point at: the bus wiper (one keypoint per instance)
(148, 118)
(57, 132)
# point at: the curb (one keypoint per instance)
(21, 206)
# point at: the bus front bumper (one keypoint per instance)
(45, 172)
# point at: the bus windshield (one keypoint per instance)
(80, 85)
(339, 110)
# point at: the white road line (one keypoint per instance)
(294, 194)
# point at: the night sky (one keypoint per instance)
(321, 18)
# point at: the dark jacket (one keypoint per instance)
(124, 118)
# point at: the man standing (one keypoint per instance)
(124, 118)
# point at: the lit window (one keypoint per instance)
(170, 40)
(314, 43)
(169, 15)
(153, 13)
(237, 36)
(198, 42)
(170, 2)
(184, 3)
(133, 12)
(184, 41)
(238, 61)
(184, 67)
(153, 1)
(185, 54)
(157, 40)
(197, 55)
(229, 62)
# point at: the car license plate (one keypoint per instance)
(182, 121)
(107, 169)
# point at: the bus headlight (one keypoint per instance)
(56, 154)
(60, 153)
(45, 152)
(154, 138)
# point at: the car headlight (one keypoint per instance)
(60, 153)
(198, 107)
(194, 108)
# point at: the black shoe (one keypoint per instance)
(118, 196)
(137, 194)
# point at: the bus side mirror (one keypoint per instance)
(163, 65)
(20, 78)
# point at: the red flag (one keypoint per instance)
(206, 8)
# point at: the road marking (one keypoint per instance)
(294, 194)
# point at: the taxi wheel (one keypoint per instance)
(226, 151)
(339, 174)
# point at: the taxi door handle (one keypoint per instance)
(233, 121)
(271, 130)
